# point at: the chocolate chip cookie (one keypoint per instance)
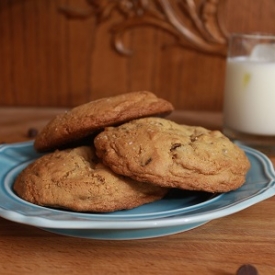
(74, 179)
(84, 120)
(162, 152)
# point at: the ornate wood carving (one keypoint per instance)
(197, 26)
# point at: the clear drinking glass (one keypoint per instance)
(249, 95)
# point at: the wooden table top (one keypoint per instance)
(219, 247)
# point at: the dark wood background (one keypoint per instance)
(50, 59)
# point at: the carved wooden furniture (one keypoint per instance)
(65, 52)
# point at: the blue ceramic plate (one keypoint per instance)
(177, 212)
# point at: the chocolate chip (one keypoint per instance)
(32, 132)
(247, 269)
(174, 146)
(193, 138)
(146, 162)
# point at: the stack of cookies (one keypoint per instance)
(120, 152)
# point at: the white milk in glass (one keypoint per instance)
(249, 99)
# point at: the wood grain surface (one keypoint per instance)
(48, 59)
(219, 247)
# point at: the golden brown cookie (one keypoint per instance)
(167, 154)
(73, 179)
(88, 118)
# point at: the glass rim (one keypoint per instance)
(255, 35)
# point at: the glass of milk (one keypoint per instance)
(249, 96)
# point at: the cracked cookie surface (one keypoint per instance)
(87, 119)
(168, 154)
(74, 179)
